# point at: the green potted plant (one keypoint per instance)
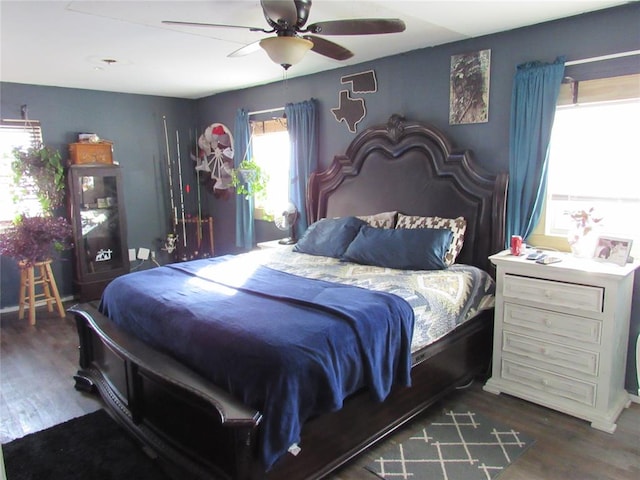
(249, 179)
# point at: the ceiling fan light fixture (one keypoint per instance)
(286, 51)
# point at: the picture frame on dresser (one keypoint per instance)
(613, 249)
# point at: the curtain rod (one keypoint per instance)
(602, 57)
(268, 110)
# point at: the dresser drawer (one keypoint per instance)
(552, 324)
(552, 293)
(555, 356)
(550, 383)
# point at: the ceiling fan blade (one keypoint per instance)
(197, 24)
(246, 50)
(328, 48)
(280, 11)
(358, 26)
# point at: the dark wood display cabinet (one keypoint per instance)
(97, 211)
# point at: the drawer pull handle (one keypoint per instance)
(548, 293)
(545, 382)
(548, 322)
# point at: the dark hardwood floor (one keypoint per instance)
(37, 364)
(36, 391)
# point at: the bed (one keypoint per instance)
(197, 419)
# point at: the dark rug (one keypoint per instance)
(458, 445)
(92, 447)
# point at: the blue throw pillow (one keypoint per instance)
(404, 249)
(329, 237)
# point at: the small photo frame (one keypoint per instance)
(613, 249)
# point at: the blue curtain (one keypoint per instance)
(245, 231)
(533, 105)
(302, 124)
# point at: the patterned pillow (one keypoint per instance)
(380, 220)
(457, 225)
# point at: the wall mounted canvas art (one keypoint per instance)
(469, 88)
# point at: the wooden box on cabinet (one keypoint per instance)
(96, 208)
(85, 153)
(561, 333)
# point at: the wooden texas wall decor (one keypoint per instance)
(352, 110)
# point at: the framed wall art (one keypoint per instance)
(469, 88)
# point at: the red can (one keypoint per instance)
(516, 245)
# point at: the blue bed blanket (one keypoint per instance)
(288, 346)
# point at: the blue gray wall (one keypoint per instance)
(415, 84)
(135, 124)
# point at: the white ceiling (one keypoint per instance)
(65, 43)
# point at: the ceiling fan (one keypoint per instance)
(287, 19)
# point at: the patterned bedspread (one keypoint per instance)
(441, 299)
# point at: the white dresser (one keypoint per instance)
(561, 334)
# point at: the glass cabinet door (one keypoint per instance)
(101, 244)
(96, 206)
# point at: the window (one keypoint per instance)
(16, 134)
(593, 152)
(271, 151)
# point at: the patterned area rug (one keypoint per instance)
(458, 445)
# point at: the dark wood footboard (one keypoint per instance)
(205, 433)
(331, 440)
(176, 413)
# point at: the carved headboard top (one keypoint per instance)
(411, 167)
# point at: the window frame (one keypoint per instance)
(260, 128)
(587, 92)
(32, 130)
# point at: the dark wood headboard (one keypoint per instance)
(413, 168)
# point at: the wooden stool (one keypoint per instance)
(28, 282)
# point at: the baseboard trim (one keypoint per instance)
(39, 303)
(634, 398)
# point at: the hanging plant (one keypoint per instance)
(39, 171)
(249, 179)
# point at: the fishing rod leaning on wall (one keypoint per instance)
(191, 234)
